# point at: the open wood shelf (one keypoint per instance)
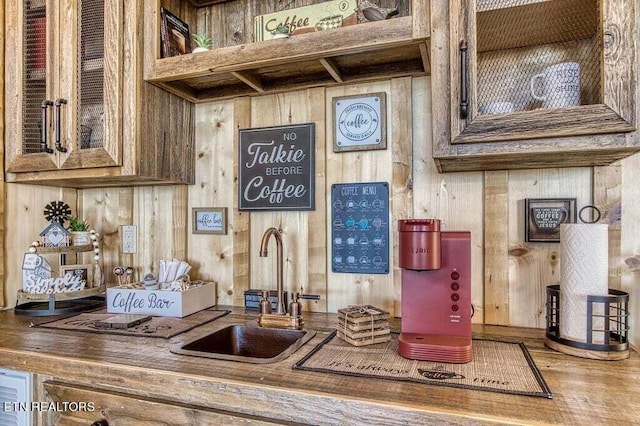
(363, 52)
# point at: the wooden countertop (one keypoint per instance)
(584, 391)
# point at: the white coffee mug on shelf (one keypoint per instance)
(560, 85)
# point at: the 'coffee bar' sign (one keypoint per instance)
(276, 168)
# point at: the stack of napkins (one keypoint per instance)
(363, 325)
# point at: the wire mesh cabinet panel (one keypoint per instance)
(57, 84)
(531, 83)
(78, 112)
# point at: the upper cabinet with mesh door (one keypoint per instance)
(531, 83)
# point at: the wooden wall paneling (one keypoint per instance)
(274, 110)
(361, 166)
(160, 212)
(607, 196)
(401, 193)
(534, 266)
(211, 256)
(496, 247)
(454, 198)
(240, 225)
(2, 184)
(630, 243)
(106, 210)
(317, 219)
(24, 218)
(422, 160)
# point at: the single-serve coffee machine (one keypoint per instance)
(436, 292)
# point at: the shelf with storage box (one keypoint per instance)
(366, 51)
(81, 114)
(545, 83)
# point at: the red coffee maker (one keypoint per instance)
(436, 292)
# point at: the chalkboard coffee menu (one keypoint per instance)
(276, 168)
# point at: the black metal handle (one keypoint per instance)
(464, 100)
(309, 296)
(102, 422)
(46, 103)
(58, 103)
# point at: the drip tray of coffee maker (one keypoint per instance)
(434, 347)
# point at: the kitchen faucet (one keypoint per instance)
(280, 310)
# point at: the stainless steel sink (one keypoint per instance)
(247, 343)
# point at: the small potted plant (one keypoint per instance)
(79, 230)
(203, 43)
(281, 31)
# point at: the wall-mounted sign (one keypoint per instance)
(359, 122)
(277, 168)
(209, 220)
(307, 19)
(543, 217)
(360, 228)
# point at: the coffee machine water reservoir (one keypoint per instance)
(436, 292)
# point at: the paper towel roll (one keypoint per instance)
(584, 250)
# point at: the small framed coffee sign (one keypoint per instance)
(359, 122)
(209, 220)
(543, 217)
(276, 168)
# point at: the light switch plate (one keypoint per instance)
(129, 238)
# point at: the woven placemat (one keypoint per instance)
(497, 366)
(164, 327)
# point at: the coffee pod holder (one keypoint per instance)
(611, 327)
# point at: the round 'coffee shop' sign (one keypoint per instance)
(276, 168)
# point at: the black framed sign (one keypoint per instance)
(543, 217)
(277, 168)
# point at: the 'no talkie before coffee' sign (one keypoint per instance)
(276, 168)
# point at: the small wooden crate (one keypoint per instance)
(121, 300)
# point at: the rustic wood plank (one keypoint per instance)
(351, 39)
(214, 171)
(582, 120)
(496, 248)
(318, 219)
(620, 58)
(401, 192)
(129, 409)
(250, 79)
(420, 18)
(332, 68)
(607, 196)
(630, 252)
(241, 222)
(2, 155)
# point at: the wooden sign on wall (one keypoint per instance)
(276, 168)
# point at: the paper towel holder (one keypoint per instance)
(615, 330)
